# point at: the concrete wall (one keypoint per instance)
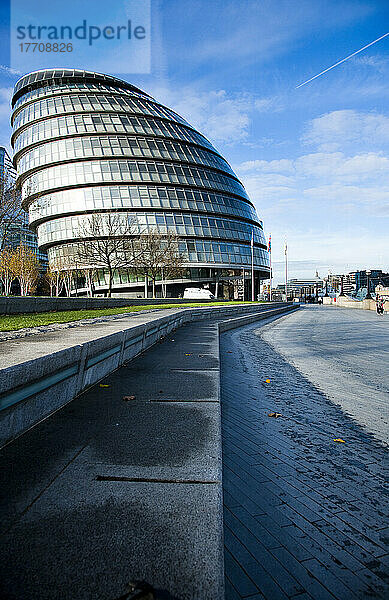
(37, 304)
(247, 319)
(344, 302)
(32, 390)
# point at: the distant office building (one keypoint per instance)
(349, 285)
(21, 233)
(376, 277)
(297, 287)
(87, 143)
(17, 230)
(7, 170)
(334, 282)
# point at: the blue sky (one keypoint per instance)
(315, 160)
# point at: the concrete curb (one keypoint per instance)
(246, 320)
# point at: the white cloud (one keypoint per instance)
(5, 99)
(9, 71)
(270, 103)
(351, 197)
(5, 114)
(220, 116)
(378, 62)
(334, 130)
(332, 209)
(274, 166)
(336, 166)
(344, 180)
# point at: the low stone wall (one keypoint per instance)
(247, 319)
(32, 390)
(344, 302)
(36, 304)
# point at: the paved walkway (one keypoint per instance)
(110, 490)
(305, 516)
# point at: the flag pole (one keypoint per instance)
(271, 274)
(252, 265)
(286, 272)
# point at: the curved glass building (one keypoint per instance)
(86, 143)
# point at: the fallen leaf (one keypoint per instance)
(104, 385)
(138, 589)
(340, 441)
(274, 414)
(267, 380)
(127, 398)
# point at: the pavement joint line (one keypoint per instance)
(170, 401)
(155, 480)
(23, 512)
(212, 369)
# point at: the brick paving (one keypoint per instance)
(305, 517)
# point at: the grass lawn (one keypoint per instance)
(14, 322)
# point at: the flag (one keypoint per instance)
(252, 238)
(269, 244)
(286, 249)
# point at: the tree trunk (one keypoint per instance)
(88, 278)
(23, 287)
(153, 287)
(110, 278)
(7, 280)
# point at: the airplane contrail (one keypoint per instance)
(342, 61)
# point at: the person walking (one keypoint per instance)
(379, 305)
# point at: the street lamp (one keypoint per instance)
(341, 285)
(368, 295)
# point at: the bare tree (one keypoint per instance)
(107, 242)
(57, 276)
(89, 276)
(51, 277)
(157, 254)
(25, 267)
(6, 272)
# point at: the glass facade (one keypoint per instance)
(17, 231)
(87, 143)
